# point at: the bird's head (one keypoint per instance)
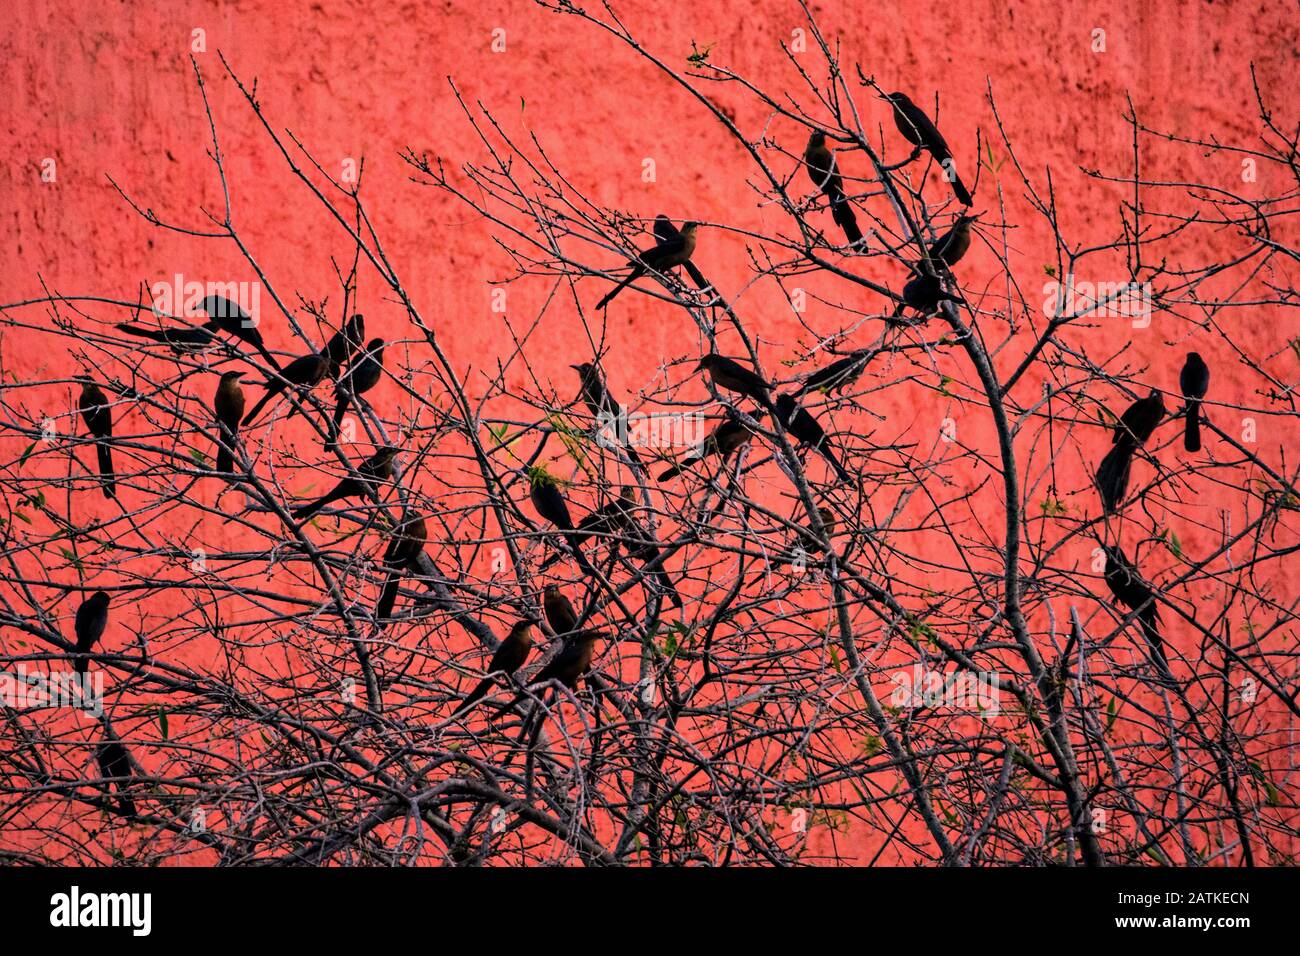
(374, 345)
(582, 368)
(898, 99)
(234, 376)
(817, 139)
(707, 362)
(99, 598)
(688, 228)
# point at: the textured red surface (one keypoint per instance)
(109, 91)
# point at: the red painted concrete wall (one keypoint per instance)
(107, 90)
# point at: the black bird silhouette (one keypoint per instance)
(115, 766)
(665, 231)
(560, 614)
(544, 492)
(723, 441)
(1194, 380)
(799, 423)
(338, 351)
(375, 470)
(94, 408)
(838, 375)
(510, 655)
(825, 175)
(919, 130)
(304, 372)
(924, 293)
(362, 375)
(594, 393)
(734, 377)
(667, 254)
(1135, 426)
(404, 549)
(233, 320)
(952, 245)
(1135, 594)
(91, 619)
(180, 339)
(228, 404)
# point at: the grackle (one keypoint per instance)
(1194, 382)
(375, 470)
(91, 619)
(94, 408)
(228, 403)
(918, 130)
(1134, 428)
(665, 255)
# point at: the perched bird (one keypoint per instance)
(181, 339)
(799, 423)
(924, 293)
(952, 245)
(304, 372)
(362, 375)
(89, 624)
(375, 470)
(405, 546)
(544, 492)
(918, 130)
(825, 175)
(228, 403)
(510, 655)
(95, 410)
(338, 351)
(560, 614)
(1135, 426)
(233, 320)
(572, 662)
(731, 375)
(665, 255)
(1194, 380)
(730, 434)
(593, 392)
(115, 765)
(1135, 594)
(838, 375)
(665, 231)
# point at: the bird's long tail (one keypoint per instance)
(141, 332)
(340, 410)
(960, 191)
(637, 272)
(271, 391)
(388, 598)
(474, 696)
(1192, 429)
(104, 452)
(1112, 475)
(225, 442)
(842, 213)
(303, 512)
(678, 468)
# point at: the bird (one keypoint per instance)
(89, 624)
(606, 520)
(228, 403)
(115, 764)
(798, 422)
(1130, 590)
(304, 373)
(362, 375)
(372, 472)
(918, 130)
(404, 549)
(181, 340)
(560, 614)
(924, 293)
(838, 375)
(825, 175)
(952, 245)
(730, 434)
(338, 351)
(1135, 426)
(731, 375)
(665, 231)
(663, 256)
(595, 394)
(544, 492)
(1194, 380)
(95, 410)
(510, 655)
(570, 663)
(233, 320)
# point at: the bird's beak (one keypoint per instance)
(576, 368)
